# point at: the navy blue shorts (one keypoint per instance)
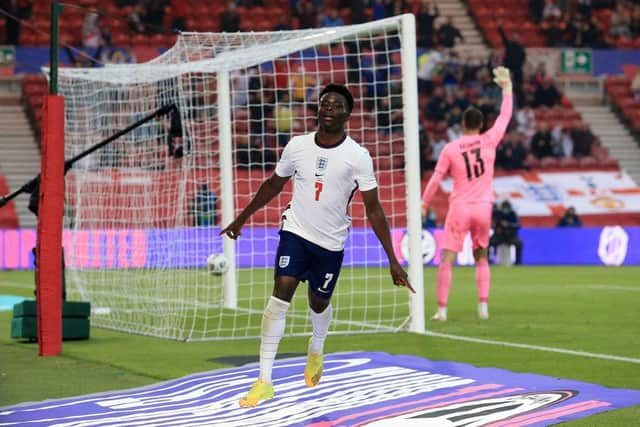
(306, 261)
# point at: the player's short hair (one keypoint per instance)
(340, 89)
(472, 119)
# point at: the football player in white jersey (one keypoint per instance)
(327, 167)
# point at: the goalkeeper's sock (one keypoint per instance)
(273, 324)
(444, 283)
(320, 322)
(483, 279)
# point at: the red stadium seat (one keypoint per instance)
(549, 163)
(587, 162)
(608, 163)
(568, 162)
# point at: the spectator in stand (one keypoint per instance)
(470, 68)
(179, 14)
(635, 86)
(358, 10)
(203, 207)
(535, 10)
(583, 10)
(400, 7)
(448, 34)
(515, 57)
(539, 75)
(634, 24)
(506, 225)
(455, 131)
(488, 108)
(563, 5)
(570, 218)
(300, 83)
(587, 33)
(19, 9)
(240, 85)
(429, 218)
(426, 18)
(562, 141)
(229, 19)
(425, 151)
(526, 122)
(430, 64)
(551, 11)
(554, 29)
(284, 24)
(461, 101)
(389, 119)
(494, 60)
(254, 155)
(436, 108)
(381, 9)
(134, 19)
(260, 104)
(620, 22)
(250, 3)
(284, 117)
(582, 140)
(511, 153)
(306, 13)
(437, 145)
(546, 95)
(541, 145)
(454, 115)
(154, 16)
(332, 19)
(488, 89)
(91, 33)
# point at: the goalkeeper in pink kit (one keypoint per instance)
(469, 161)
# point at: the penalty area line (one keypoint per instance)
(533, 347)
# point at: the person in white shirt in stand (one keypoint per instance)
(327, 167)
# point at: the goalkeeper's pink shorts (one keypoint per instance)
(467, 217)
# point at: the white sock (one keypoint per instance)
(273, 323)
(483, 309)
(442, 311)
(320, 322)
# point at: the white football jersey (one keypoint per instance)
(324, 182)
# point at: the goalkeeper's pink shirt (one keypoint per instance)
(469, 161)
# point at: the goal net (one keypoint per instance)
(144, 213)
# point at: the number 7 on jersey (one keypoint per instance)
(318, 189)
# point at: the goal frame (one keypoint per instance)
(198, 54)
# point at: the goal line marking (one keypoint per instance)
(533, 347)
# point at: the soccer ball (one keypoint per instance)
(217, 264)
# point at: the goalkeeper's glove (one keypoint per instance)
(502, 78)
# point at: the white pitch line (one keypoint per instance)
(534, 347)
(615, 288)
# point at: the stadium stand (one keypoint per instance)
(8, 214)
(575, 25)
(461, 81)
(623, 100)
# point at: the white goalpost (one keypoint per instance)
(137, 242)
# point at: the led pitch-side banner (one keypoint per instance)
(190, 247)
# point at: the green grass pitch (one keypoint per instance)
(585, 309)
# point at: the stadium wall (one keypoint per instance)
(160, 248)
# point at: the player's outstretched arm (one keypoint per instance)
(378, 221)
(267, 191)
(430, 189)
(502, 78)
